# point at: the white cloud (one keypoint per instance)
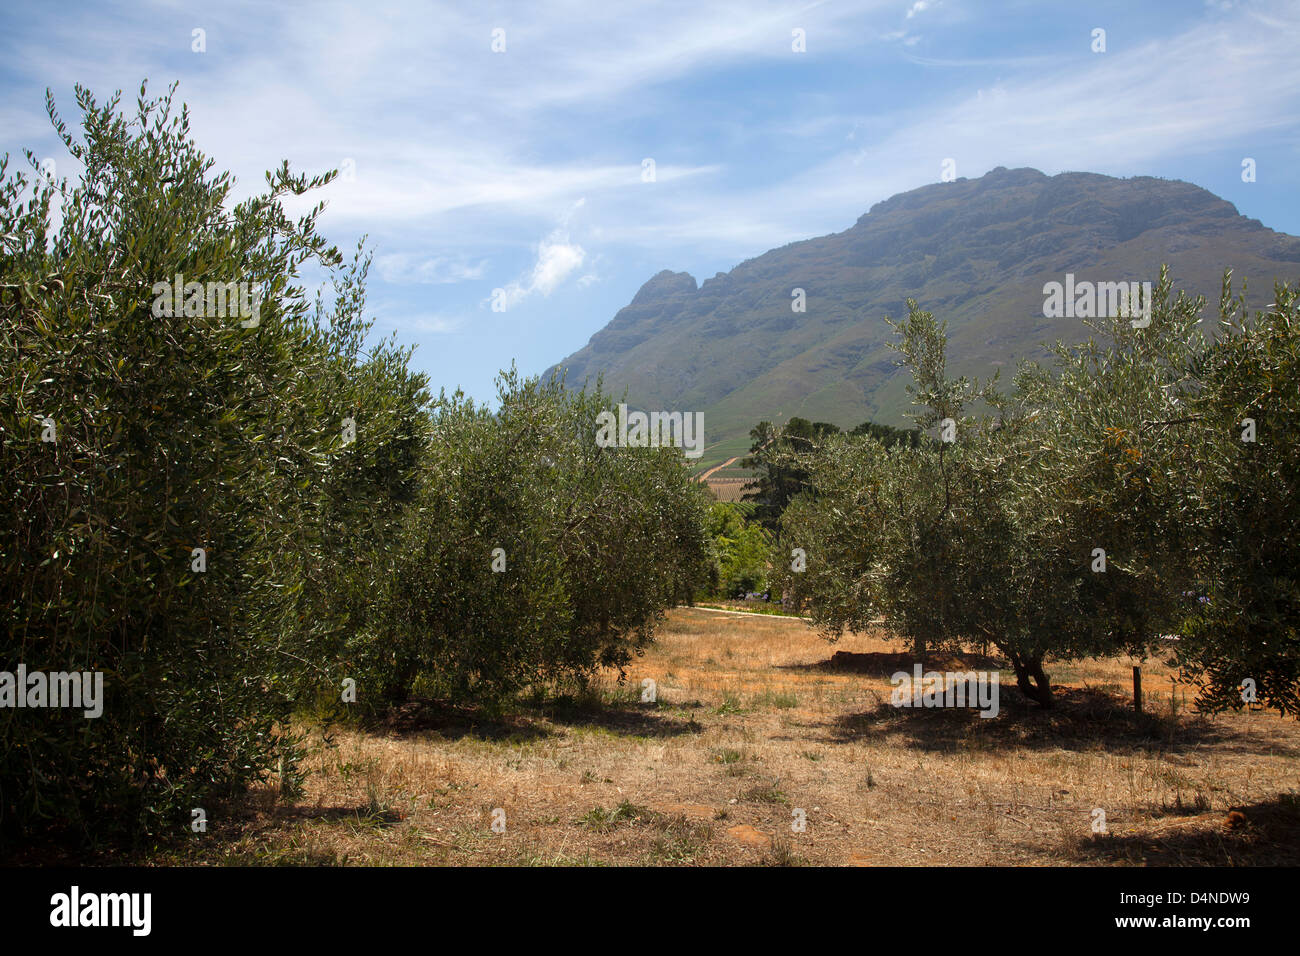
(1060, 113)
(402, 268)
(408, 322)
(557, 259)
(459, 148)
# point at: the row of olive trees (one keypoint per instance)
(230, 516)
(535, 555)
(1116, 495)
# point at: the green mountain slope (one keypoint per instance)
(975, 252)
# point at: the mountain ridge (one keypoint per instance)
(976, 252)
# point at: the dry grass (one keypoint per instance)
(752, 724)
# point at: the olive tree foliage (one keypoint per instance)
(230, 516)
(175, 484)
(1044, 522)
(337, 579)
(1102, 472)
(535, 555)
(1183, 454)
(1241, 504)
(889, 534)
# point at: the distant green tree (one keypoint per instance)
(778, 480)
(741, 550)
(888, 435)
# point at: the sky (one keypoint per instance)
(501, 154)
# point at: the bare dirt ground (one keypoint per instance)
(752, 725)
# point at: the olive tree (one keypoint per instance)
(534, 555)
(1241, 643)
(1029, 523)
(172, 463)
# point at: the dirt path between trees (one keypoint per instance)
(716, 468)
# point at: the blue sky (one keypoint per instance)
(521, 170)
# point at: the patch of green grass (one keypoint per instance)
(682, 841)
(764, 793)
(781, 853)
(734, 762)
(602, 820)
(778, 700)
(775, 610)
(372, 819)
(730, 705)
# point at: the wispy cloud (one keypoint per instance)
(557, 259)
(405, 268)
(473, 170)
(406, 323)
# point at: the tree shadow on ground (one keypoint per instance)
(627, 719)
(264, 832)
(879, 664)
(421, 716)
(1258, 834)
(297, 813)
(1080, 719)
(531, 720)
(251, 815)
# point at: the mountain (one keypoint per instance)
(975, 252)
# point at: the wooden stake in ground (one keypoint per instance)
(1137, 688)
